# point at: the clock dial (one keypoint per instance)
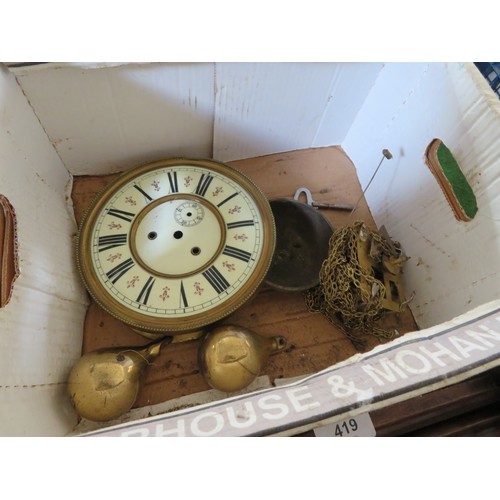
(176, 235)
(176, 245)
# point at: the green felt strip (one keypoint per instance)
(461, 188)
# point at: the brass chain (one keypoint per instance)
(340, 295)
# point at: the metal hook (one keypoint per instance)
(308, 194)
(312, 203)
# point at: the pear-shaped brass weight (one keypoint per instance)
(231, 357)
(104, 384)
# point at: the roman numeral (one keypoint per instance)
(241, 223)
(215, 278)
(237, 253)
(227, 199)
(203, 184)
(146, 290)
(117, 272)
(172, 179)
(146, 195)
(184, 301)
(111, 241)
(128, 216)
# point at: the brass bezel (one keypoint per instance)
(153, 327)
(159, 201)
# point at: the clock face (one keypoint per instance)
(176, 245)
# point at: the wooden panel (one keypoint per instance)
(430, 410)
(468, 408)
(313, 343)
(9, 262)
(483, 422)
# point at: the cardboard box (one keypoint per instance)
(60, 122)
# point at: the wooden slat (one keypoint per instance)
(437, 407)
(9, 265)
(483, 422)
(469, 408)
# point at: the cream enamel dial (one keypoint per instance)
(176, 245)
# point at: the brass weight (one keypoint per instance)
(104, 384)
(231, 357)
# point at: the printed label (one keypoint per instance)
(359, 426)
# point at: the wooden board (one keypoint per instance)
(312, 342)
